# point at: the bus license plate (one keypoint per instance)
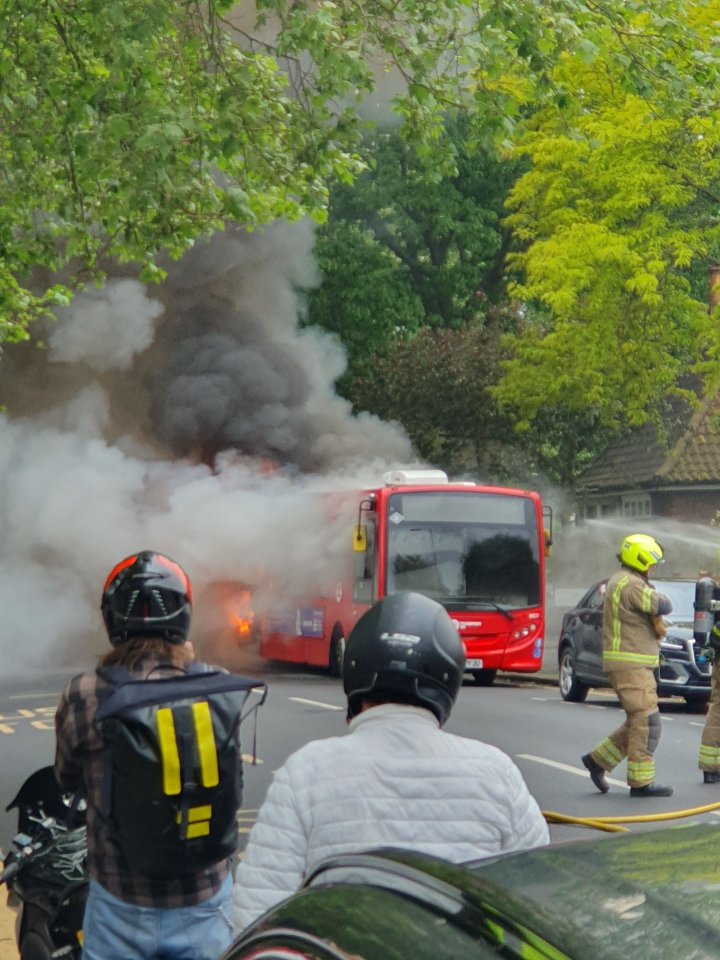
(473, 664)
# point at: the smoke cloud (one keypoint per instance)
(585, 552)
(193, 418)
(121, 314)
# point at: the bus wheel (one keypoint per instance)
(484, 678)
(337, 653)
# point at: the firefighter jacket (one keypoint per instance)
(395, 780)
(629, 637)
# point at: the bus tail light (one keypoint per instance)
(524, 632)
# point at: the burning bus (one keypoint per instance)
(478, 550)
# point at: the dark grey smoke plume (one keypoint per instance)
(232, 369)
(192, 418)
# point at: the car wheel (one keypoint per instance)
(337, 654)
(484, 678)
(571, 689)
(697, 703)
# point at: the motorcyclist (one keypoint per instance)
(147, 609)
(397, 779)
(631, 638)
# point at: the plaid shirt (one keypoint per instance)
(79, 765)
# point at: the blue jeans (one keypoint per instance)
(115, 930)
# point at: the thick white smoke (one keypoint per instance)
(193, 418)
(121, 314)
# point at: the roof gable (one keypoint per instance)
(695, 458)
(640, 458)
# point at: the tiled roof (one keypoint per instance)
(695, 458)
(630, 461)
(640, 459)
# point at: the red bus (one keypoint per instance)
(477, 550)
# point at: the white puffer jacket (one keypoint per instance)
(395, 780)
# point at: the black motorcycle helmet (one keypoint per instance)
(147, 593)
(404, 649)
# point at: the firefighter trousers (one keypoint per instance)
(638, 737)
(709, 758)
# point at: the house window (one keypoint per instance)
(637, 505)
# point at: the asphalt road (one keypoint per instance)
(523, 716)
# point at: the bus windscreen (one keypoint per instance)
(466, 550)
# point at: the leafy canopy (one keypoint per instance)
(436, 385)
(128, 128)
(403, 248)
(617, 208)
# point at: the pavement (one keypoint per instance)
(8, 950)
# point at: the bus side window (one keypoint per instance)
(364, 574)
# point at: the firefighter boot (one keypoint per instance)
(711, 776)
(651, 790)
(597, 774)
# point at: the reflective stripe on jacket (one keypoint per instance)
(629, 639)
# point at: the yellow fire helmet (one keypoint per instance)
(640, 552)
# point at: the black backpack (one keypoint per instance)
(172, 782)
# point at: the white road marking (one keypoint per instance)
(566, 767)
(31, 696)
(316, 703)
(694, 723)
(590, 706)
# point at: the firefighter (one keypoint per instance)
(632, 629)
(709, 755)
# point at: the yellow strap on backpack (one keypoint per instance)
(168, 752)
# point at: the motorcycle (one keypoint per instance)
(45, 870)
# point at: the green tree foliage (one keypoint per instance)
(437, 385)
(127, 129)
(412, 266)
(405, 247)
(616, 211)
(364, 298)
(130, 127)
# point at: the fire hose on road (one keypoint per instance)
(612, 824)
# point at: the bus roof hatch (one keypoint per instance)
(397, 477)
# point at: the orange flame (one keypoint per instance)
(243, 616)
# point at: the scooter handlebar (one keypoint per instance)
(10, 871)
